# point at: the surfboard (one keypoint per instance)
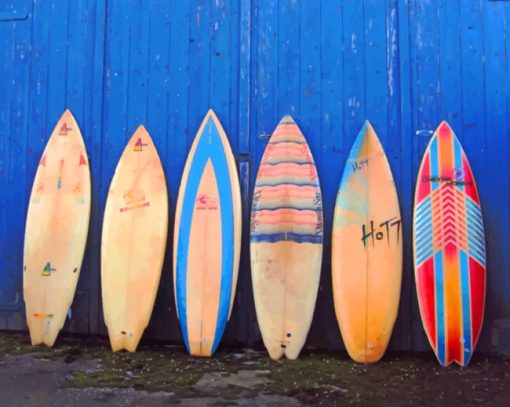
(449, 249)
(286, 234)
(366, 257)
(56, 231)
(207, 239)
(134, 235)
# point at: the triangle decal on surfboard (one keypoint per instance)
(139, 145)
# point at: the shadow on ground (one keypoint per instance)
(84, 372)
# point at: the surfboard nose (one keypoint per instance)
(287, 119)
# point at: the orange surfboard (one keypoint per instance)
(366, 250)
(56, 231)
(286, 241)
(135, 227)
(207, 239)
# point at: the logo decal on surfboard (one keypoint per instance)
(139, 145)
(204, 201)
(63, 130)
(134, 199)
(47, 270)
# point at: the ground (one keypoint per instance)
(80, 371)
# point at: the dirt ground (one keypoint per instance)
(84, 372)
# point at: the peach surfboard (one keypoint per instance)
(56, 231)
(207, 239)
(286, 241)
(366, 250)
(135, 226)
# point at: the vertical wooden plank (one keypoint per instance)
(18, 147)
(310, 76)
(115, 102)
(331, 123)
(180, 132)
(471, 134)
(38, 131)
(450, 66)
(93, 133)
(288, 59)
(58, 60)
(6, 82)
(245, 50)
(159, 83)
(243, 304)
(332, 72)
(158, 80)
(77, 63)
(495, 198)
(354, 71)
(137, 93)
(220, 62)
(14, 149)
(115, 98)
(5, 101)
(264, 110)
(200, 65)
(310, 107)
(179, 93)
(266, 115)
(398, 150)
(376, 76)
(232, 23)
(425, 62)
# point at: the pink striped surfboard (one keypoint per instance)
(286, 241)
(449, 249)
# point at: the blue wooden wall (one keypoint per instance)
(331, 64)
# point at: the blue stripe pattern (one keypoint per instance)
(457, 151)
(423, 231)
(440, 317)
(466, 306)
(284, 141)
(278, 237)
(275, 208)
(476, 239)
(211, 148)
(278, 183)
(434, 165)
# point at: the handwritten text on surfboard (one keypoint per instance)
(384, 231)
(359, 165)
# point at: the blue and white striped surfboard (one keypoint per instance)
(207, 239)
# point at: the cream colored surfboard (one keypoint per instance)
(135, 227)
(286, 241)
(366, 250)
(207, 239)
(56, 231)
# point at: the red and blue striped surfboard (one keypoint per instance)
(449, 249)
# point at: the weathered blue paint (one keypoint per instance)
(403, 64)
